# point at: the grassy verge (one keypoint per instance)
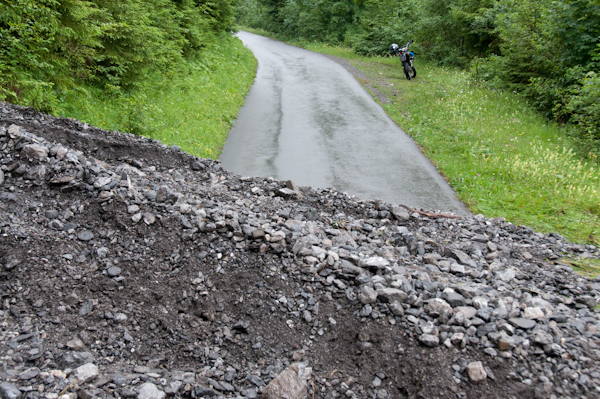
(192, 107)
(501, 157)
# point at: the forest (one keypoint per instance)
(53, 48)
(546, 50)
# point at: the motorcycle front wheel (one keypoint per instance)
(414, 72)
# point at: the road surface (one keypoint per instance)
(308, 120)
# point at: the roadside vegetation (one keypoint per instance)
(192, 106)
(167, 69)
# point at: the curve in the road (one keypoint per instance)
(307, 119)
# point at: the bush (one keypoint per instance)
(584, 105)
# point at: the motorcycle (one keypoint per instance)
(406, 57)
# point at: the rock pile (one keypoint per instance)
(131, 269)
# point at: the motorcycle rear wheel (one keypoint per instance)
(407, 71)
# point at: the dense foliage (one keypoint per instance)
(49, 48)
(548, 50)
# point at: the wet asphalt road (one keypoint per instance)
(307, 119)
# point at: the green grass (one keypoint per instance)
(501, 157)
(192, 107)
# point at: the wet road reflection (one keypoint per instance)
(308, 120)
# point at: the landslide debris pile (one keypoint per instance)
(131, 269)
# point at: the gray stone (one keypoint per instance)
(505, 342)
(185, 222)
(128, 393)
(76, 344)
(534, 313)
(396, 308)
(85, 235)
(75, 359)
(544, 390)
(204, 392)
(8, 197)
(290, 384)
(1, 177)
(454, 299)
(307, 316)
(35, 151)
(476, 372)
(149, 218)
(150, 391)
(133, 209)
(543, 338)
(86, 308)
(491, 351)
(466, 290)
(429, 340)
(9, 391)
(349, 268)
(102, 252)
(286, 192)
(29, 373)
(35, 173)
(587, 300)
(86, 373)
(458, 339)
(120, 317)
(479, 302)
(457, 269)
(113, 271)
(507, 274)
(374, 262)
(438, 307)
(292, 186)
(173, 388)
(522, 323)
(198, 166)
(485, 329)
(151, 195)
(554, 350)
(400, 213)
(11, 262)
(461, 257)
(468, 311)
(391, 295)
(119, 379)
(484, 313)
(14, 131)
(102, 181)
(367, 295)
(255, 380)
(51, 213)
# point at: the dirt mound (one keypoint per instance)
(157, 273)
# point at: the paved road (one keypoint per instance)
(307, 119)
